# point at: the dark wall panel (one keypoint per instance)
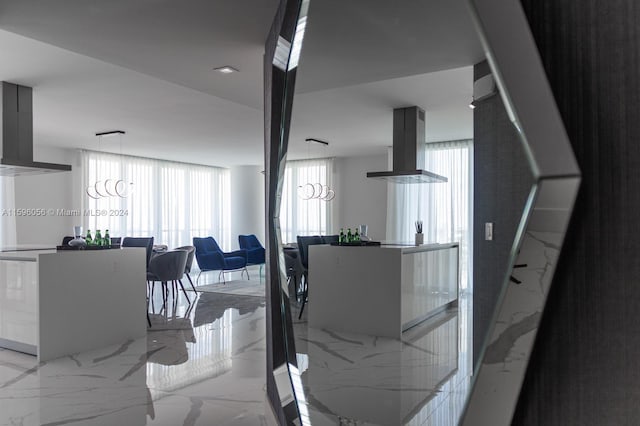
(583, 370)
(502, 181)
(275, 337)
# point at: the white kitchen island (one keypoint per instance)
(380, 290)
(59, 303)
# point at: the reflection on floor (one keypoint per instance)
(352, 379)
(204, 364)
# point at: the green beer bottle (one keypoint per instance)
(349, 235)
(98, 240)
(88, 238)
(341, 236)
(107, 238)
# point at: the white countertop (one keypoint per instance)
(409, 248)
(422, 247)
(24, 255)
(27, 247)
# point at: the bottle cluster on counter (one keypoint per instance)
(349, 237)
(99, 240)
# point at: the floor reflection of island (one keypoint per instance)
(200, 364)
(356, 379)
(181, 354)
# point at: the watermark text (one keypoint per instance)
(36, 212)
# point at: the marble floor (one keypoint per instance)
(204, 364)
(421, 380)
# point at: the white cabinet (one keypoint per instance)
(18, 304)
(58, 303)
(382, 290)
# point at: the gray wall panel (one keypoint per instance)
(583, 369)
(502, 182)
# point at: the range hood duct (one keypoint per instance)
(408, 149)
(17, 135)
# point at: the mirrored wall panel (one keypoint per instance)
(369, 291)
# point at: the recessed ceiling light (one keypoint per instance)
(226, 69)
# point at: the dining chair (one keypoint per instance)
(191, 251)
(303, 247)
(294, 269)
(328, 239)
(168, 267)
(146, 242)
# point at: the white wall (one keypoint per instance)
(51, 192)
(63, 191)
(7, 205)
(247, 202)
(360, 200)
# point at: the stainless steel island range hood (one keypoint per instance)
(17, 135)
(408, 149)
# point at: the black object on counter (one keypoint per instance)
(357, 243)
(93, 247)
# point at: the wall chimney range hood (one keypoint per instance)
(408, 149)
(16, 141)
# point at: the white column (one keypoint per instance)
(247, 202)
(7, 205)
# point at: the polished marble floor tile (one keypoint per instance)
(204, 364)
(422, 379)
(200, 364)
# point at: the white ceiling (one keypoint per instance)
(144, 66)
(365, 113)
(75, 96)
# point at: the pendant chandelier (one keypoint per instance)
(316, 190)
(109, 188)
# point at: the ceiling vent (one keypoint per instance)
(16, 140)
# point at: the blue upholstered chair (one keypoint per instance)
(255, 250)
(210, 257)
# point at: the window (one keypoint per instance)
(299, 215)
(173, 202)
(444, 208)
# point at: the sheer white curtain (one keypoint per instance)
(173, 202)
(444, 208)
(299, 216)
